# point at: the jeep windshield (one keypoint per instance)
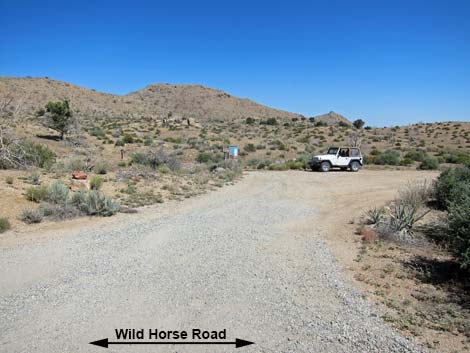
(332, 150)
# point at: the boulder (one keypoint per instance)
(79, 175)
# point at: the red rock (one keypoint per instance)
(79, 175)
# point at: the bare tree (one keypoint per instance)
(355, 138)
(12, 153)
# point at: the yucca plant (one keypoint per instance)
(375, 215)
(403, 217)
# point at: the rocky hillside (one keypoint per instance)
(156, 101)
(332, 119)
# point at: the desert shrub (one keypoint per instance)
(127, 138)
(74, 163)
(447, 183)
(164, 169)
(459, 223)
(401, 221)
(94, 203)
(405, 211)
(429, 163)
(119, 143)
(58, 193)
(389, 157)
(455, 157)
(38, 155)
(9, 180)
(271, 121)
(36, 194)
(34, 178)
(4, 225)
(231, 165)
(416, 194)
(320, 123)
(139, 158)
(278, 166)
(157, 158)
(16, 153)
(249, 147)
(375, 215)
(30, 215)
(417, 155)
(207, 157)
(97, 132)
(59, 212)
(250, 121)
(96, 182)
(148, 141)
(101, 168)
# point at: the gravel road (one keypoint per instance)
(247, 258)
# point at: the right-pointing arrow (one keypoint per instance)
(242, 343)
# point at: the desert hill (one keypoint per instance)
(156, 101)
(331, 119)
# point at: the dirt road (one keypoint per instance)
(254, 259)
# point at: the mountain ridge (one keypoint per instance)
(156, 100)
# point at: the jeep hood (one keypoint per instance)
(324, 156)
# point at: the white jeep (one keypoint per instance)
(338, 157)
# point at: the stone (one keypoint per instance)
(79, 175)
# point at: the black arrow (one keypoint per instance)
(105, 343)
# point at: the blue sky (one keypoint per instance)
(388, 62)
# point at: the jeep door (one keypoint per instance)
(343, 157)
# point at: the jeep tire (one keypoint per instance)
(355, 166)
(325, 167)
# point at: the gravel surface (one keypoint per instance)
(246, 258)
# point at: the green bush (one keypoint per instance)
(58, 193)
(74, 163)
(389, 157)
(97, 132)
(96, 182)
(4, 225)
(36, 194)
(271, 121)
(119, 143)
(37, 154)
(249, 121)
(459, 223)
(455, 157)
(249, 147)
(127, 138)
(429, 163)
(25, 153)
(156, 158)
(204, 157)
(447, 182)
(94, 203)
(101, 168)
(30, 215)
(417, 155)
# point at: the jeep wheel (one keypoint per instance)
(355, 166)
(325, 167)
